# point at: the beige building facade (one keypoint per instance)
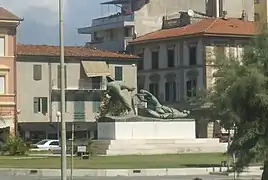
(85, 70)
(178, 62)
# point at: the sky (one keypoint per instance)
(40, 25)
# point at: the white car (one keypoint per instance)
(47, 144)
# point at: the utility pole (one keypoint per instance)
(62, 93)
(72, 151)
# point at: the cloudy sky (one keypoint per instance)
(40, 25)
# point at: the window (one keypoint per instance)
(118, 73)
(42, 142)
(56, 97)
(96, 106)
(191, 88)
(219, 51)
(110, 34)
(140, 62)
(96, 82)
(170, 91)
(37, 72)
(128, 31)
(2, 46)
(171, 57)
(40, 105)
(153, 88)
(65, 76)
(155, 59)
(79, 108)
(257, 17)
(2, 84)
(192, 55)
(54, 143)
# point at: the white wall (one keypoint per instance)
(184, 129)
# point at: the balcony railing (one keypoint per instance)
(113, 19)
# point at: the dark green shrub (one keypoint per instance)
(14, 146)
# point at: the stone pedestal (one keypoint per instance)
(168, 129)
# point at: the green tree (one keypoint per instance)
(240, 97)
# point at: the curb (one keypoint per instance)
(120, 172)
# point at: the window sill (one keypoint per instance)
(7, 56)
(7, 95)
(7, 103)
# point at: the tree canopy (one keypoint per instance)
(240, 97)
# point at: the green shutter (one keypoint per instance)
(44, 105)
(37, 72)
(59, 78)
(118, 73)
(35, 104)
(96, 106)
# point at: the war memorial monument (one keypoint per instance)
(137, 123)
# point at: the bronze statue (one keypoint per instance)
(158, 110)
(115, 104)
(114, 96)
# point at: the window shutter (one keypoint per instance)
(65, 75)
(37, 72)
(44, 105)
(59, 78)
(35, 104)
(118, 73)
(96, 106)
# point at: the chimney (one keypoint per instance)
(244, 16)
(224, 15)
(217, 8)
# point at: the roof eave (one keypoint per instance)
(81, 57)
(191, 35)
(230, 35)
(167, 38)
(12, 19)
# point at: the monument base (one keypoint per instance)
(140, 135)
(149, 129)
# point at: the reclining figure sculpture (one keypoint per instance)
(157, 110)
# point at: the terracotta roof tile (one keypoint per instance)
(230, 26)
(70, 51)
(7, 15)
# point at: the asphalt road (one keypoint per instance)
(208, 177)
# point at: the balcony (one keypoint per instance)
(82, 84)
(109, 22)
(113, 19)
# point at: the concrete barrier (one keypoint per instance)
(121, 172)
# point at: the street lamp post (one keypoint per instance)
(58, 114)
(62, 93)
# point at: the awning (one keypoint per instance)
(3, 124)
(95, 68)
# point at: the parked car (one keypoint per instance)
(47, 144)
(223, 137)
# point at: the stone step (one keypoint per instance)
(164, 151)
(164, 141)
(170, 147)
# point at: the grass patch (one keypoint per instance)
(119, 162)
